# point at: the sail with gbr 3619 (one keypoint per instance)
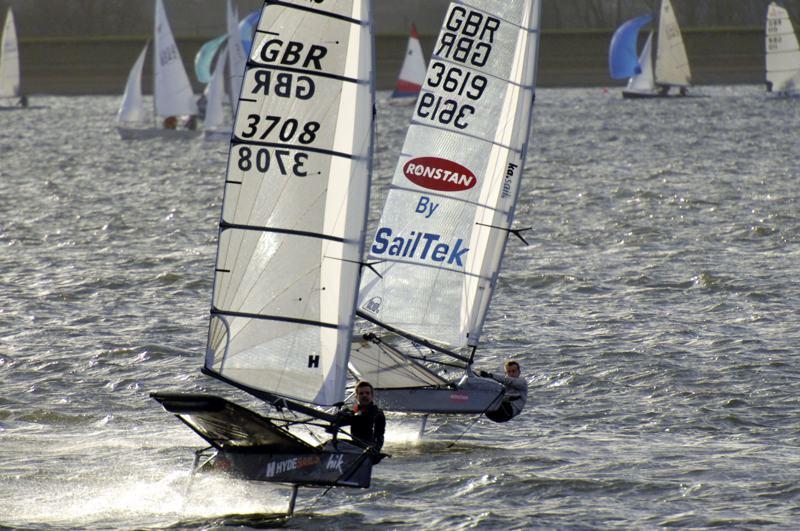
(438, 248)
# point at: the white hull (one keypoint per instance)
(130, 133)
(212, 135)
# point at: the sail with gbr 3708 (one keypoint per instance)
(290, 243)
(440, 241)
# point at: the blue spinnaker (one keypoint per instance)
(623, 60)
(205, 56)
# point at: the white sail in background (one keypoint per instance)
(9, 59)
(295, 205)
(172, 89)
(131, 111)
(444, 226)
(672, 63)
(782, 51)
(412, 73)
(645, 80)
(236, 56)
(215, 115)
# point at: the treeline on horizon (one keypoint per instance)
(75, 18)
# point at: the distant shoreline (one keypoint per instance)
(577, 58)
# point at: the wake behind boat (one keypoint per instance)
(438, 249)
(174, 113)
(782, 53)
(291, 236)
(651, 77)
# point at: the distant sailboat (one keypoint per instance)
(437, 253)
(172, 92)
(9, 67)
(290, 243)
(782, 53)
(412, 73)
(216, 125)
(651, 77)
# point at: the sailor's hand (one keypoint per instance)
(484, 374)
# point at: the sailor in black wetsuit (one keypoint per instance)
(515, 396)
(367, 421)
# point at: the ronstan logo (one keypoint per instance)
(439, 174)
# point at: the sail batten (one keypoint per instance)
(294, 210)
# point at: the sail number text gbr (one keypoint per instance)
(271, 128)
(467, 39)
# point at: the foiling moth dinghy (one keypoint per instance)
(289, 254)
(437, 252)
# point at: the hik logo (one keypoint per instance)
(335, 462)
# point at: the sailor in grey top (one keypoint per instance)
(515, 396)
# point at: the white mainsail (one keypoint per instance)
(172, 90)
(782, 51)
(645, 80)
(447, 216)
(672, 63)
(9, 59)
(412, 73)
(236, 55)
(295, 205)
(215, 115)
(131, 111)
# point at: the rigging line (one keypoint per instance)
(291, 232)
(476, 419)
(238, 140)
(420, 123)
(252, 65)
(515, 232)
(411, 337)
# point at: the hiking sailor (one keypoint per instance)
(515, 396)
(367, 421)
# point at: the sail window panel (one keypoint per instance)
(277, 198)
(479, 40)
(288, 359)
(384, 368)
(423, 301)
(250, 261)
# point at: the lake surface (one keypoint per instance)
(656, 313)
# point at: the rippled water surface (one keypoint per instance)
(656, 312)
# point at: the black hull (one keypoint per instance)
(246, 445)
